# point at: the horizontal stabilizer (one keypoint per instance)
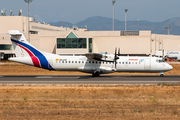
(15, 32)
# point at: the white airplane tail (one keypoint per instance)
(27, 53)
(20, 44)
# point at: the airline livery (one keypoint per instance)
(94, 63)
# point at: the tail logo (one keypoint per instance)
(38, 59)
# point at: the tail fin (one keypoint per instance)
(21, 46)
(23, 50)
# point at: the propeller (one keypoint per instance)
(119, 52)
(115, 56)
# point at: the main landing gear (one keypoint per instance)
(96, 74)
(161, 74)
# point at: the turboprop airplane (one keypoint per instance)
(94, 63)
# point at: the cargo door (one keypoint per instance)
(147, 64)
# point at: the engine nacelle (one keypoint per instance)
(107, 57)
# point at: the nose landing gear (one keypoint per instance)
(162, 74)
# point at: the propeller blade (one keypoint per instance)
(115, 57)
(119, 52)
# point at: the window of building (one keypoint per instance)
(90, 45)
(71, 43)
(5, 47)
(129, 33)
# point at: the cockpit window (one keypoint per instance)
(160, 60)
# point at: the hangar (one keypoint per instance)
(77, 41)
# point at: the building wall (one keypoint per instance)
(13, 22)
(165, 42)
(127, 44)
(45, 38)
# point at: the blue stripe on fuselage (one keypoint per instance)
(43, 61)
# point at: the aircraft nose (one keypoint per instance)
(170, 67)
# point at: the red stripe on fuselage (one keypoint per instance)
(34, 58)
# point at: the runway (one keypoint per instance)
(85, 79)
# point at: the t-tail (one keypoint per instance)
(27, 53)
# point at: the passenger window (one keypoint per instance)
(66, 61)
(75, 61)
(82, 61)
(89, 61)
(126, 62)
(92, 61)
(62, 61)
(122, 62)
(79, 61)
(136, 62)
(99, 62)
(96, 62)
(72, 61)
(129, 62)
(69, 61)
(119, 62)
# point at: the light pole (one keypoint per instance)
(113, 2)
(28, 1)
(125, 17)
(168, 28)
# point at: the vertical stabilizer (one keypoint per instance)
(20, 44)
(24, 51)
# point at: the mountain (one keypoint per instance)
(98, 23)
(61, 23)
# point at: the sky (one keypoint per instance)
(74, 11)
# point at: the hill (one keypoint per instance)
(98, 23)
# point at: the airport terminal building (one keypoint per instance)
(77, 41)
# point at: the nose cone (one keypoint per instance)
(170, 67)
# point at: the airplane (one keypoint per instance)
(94, 63)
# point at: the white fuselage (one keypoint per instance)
(81, 63)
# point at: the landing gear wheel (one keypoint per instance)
(96, 74)
(161, 75)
